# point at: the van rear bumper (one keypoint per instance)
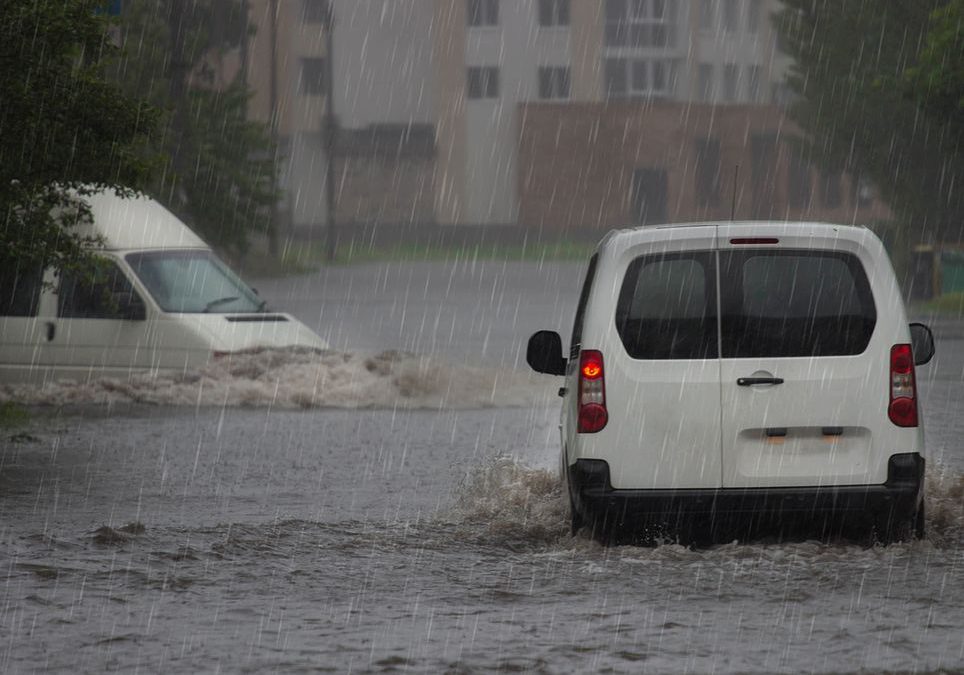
(595, 499)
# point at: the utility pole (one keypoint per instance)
(331, 130)
(178, 68)
(273, 96)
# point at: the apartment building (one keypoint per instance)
(435, 99)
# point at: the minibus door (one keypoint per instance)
(100, 326)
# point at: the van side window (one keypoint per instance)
(581, 307)
(667, 307)
(97, 298)
(794, 303)
(20, 291)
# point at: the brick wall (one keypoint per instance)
(385, 174)
(591, 165)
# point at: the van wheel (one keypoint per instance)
(919, 528)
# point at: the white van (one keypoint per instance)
(741, 374)
(165, 303)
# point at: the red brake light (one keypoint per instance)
(591, 367)
(902, 410)
(755, 240)
(592, 392)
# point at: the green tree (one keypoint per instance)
(65, 131)
(852, 61)
(221, 173)
(937, 81)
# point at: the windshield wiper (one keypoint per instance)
(263, 306)
(220, 301)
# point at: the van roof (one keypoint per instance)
(137, 223)
(741, 228)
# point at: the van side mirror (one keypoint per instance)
(922, 343)
(130, 307)
(544, 353)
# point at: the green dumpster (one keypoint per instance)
(952, 271)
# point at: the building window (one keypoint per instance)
(863, 192)
(708, 172)
(483, 82)
(705, 74)
(661, 81)
(831, 189)
(731, 15)
(615, 73)
(753, 78)
(553, 13)
(730, 82)
(798, 182)
(707, 20)
(315, 11)
(313, 77)
(639, 23)
(640, 78)
(483, 12)
(781, 94)
(553, 82)
(763, 172)
(650, 195)
(754, 11)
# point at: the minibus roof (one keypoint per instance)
(137, 223)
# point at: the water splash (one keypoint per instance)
(301, 378)
(505, 501)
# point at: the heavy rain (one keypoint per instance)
(481, 336)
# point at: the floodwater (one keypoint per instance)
(248, 519)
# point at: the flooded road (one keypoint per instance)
(421, 530)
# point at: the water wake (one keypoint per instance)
(299, 378)
(508, 502)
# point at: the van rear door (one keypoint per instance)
(803, 395)
(662, 381)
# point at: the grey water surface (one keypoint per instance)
(158, 538)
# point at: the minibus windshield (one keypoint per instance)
(193, 282)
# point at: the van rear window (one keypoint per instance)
(779, 303)
(667, 307)
(794, 303)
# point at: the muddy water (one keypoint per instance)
(196, 539)
(365, 510)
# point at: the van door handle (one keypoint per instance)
(51, 330)
(749, 381)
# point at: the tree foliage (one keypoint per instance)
(873, 80)
(937, 81)
(221, 174)
(65, 131)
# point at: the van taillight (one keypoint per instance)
(903, 389)
(592, 392)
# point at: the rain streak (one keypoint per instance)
(484, 336)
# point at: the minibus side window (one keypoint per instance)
(20, 291)
(100, 297)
